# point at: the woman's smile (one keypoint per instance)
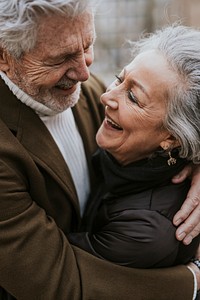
(132, 131)
(111, 123)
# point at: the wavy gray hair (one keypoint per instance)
(19, 20)
(180, 45)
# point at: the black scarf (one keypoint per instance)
(138, 176)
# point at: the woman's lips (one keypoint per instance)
(112, 123)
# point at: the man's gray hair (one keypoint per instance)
(19, 20)
(180, 45)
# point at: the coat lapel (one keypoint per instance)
(35, 137)
(41, 146)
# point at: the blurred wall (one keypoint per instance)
(121, 20)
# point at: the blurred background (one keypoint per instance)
(120, 20)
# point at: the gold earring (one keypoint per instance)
(171, 160)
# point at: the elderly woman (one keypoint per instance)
(150, 132)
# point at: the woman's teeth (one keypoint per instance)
(113, 124)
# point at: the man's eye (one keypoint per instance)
(132, 97)
(52, 64)
(88, 48)
(60, 62)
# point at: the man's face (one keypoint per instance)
(51, 73)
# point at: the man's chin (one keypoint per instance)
(74, 97)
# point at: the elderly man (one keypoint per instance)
(46, 172)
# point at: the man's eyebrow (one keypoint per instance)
(68, 52)
(134, 82)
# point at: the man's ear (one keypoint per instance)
(4, 61)
(170, 143)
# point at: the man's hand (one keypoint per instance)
(189, 214)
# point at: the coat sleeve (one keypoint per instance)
(134, 238)
(125, 233)
(37, 261)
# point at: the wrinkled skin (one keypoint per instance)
(51, 72)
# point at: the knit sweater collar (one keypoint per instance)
(39, 108)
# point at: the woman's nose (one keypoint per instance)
(108, 99)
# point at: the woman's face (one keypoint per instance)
(135, 106)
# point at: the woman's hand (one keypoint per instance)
(188, 217)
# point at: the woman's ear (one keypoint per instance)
(170, 143)
(4, 61)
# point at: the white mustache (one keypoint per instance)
(67, 84)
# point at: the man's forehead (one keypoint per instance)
(70, 48)
(55, 21)
(59, 32)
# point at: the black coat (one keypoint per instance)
(132, 224)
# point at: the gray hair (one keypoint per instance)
(180, 45)
(19, 20)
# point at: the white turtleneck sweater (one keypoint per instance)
(64, 131)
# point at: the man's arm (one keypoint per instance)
(188, 217)
(37, 262)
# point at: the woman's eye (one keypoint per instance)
(132, 97)
(118, 78)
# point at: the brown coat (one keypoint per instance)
(38, 206)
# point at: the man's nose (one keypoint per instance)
(80, 71)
